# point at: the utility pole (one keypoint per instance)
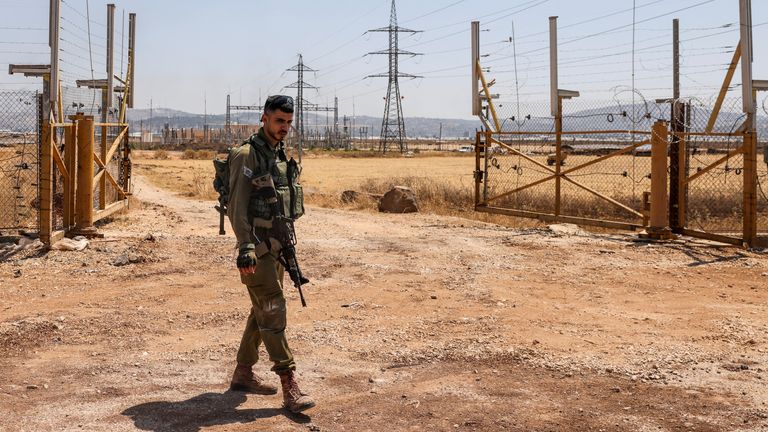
(393, 125)
(678, 156)
(440, 137)
(230, 108)
(300, 85)
(228, 122)
(131, 58)
(749, 101)
(336, 120)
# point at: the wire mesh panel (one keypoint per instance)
(19, 160)
(762, 168)
(521, 172)
(715, 198)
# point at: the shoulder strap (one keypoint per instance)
(261, 153)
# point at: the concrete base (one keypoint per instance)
(88, 232)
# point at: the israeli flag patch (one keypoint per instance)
(247, 172)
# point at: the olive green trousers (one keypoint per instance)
(267, 320)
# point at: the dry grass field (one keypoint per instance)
(444, 184)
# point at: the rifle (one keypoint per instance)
(284, 232)
(222, 209)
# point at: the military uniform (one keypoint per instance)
(251, 219)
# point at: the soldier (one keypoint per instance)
(250, 212)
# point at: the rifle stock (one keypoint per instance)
(222, 211)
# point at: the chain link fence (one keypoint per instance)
(19, 160)
(614, 188)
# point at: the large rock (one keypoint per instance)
(399, 199)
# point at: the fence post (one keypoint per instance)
(677, 169)
(85, 137)
(558, 154)
(750, 187)
(658, 229)
(46, 177)
(70, 186)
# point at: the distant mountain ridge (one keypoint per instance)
(604, 118)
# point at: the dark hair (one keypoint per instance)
(279, 102)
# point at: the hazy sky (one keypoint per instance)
(189, 51)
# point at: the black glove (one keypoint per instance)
(246, 261)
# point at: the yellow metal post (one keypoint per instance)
(46, 184)
(558, 155)
(750, 187)
(85, 138)
(103, 152)
(659, 205)
(70, 161)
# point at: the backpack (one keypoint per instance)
(221, 185)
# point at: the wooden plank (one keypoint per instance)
(713, 237)
(714, 165)
(488, 96)
(110, 210)
(724, 89)
(57, 235)
(111, 125)
(548, 217)
(115, 145)
(59, 162)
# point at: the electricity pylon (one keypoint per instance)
(393, 125)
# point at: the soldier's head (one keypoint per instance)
(278, 116)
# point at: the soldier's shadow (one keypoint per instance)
(194, 414)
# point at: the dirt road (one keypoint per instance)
(415, 322)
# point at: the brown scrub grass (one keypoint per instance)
(444, 185)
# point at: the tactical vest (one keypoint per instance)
(285, 174)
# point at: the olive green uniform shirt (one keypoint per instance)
(245, 165)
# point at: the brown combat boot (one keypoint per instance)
(245, 381)
(293, 399)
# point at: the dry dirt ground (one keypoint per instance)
(415, 322)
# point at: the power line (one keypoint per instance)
(589, 36)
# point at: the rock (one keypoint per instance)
(349, 196)
(121, 260)
(399, 199)
(150, 237)
(17, 273)
(74, 244)
(566, 229)
(135, 258)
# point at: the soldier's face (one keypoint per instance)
(277, 124)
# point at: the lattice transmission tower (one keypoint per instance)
(300, 102)
(393, 125)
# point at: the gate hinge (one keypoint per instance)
(479, 175)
